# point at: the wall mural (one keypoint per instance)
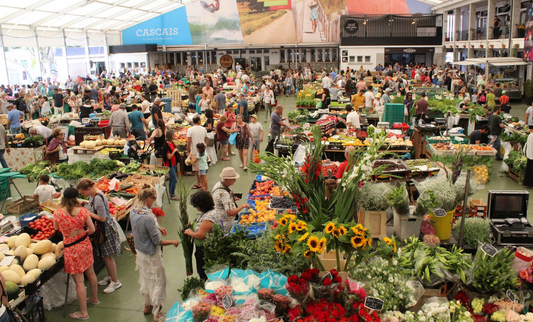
(259, 21)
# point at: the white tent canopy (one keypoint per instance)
(495, 61)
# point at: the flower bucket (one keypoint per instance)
(443, 225)
(407, 226)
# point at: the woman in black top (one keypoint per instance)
(326, 99)
(209, 122)
(158, 136)
(86, 109)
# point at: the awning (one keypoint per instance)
(495, 61)
(465, 63)
(510, 64)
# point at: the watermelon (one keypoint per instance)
(12, 290)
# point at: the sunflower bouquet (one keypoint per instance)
(294, 237)
(352, 239)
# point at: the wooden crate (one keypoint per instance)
(80, 150)
(376, 222)
(22, 205)
(50, 206)
(479, 208)
(121, 214)
(329, 260)
(515, 175)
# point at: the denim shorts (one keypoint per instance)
(202, 172)
(223, 142)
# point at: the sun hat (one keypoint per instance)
(229, 173)
(378, 95)
(254, 116)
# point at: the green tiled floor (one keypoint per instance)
(126, 303)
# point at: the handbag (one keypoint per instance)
(52, 157)
(13, 315)
(99, 236)
(131, 243)
(210, 139)
(233, 138)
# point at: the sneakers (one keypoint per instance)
(105, 281)
(245, 168)
(241, 166)
(232, 153)
(112, 287)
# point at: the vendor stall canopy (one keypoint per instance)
(21, 20)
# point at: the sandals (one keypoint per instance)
(149, 311)
(92, 302)
(196, 186)
(78, 316)
(174, 198)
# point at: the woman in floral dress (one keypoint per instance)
(71, 220)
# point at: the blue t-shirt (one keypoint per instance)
(14, 116)
(135, 119)
(244, 103)
(202, 161)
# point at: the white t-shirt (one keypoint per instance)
(256, 129)
(268, 96)
(45, 192)
(197, 134)
(529, 112)
(353, 118)
(326, 82)
(46, 109)
(43, 131)
(369, 96)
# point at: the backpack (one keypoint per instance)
(482, 98)
(22, 106)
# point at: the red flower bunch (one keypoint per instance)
(297, 286)
(335, 278)
(325, 311)
(294, 313)
(310, 275)
(301, 203)
(311, 168)
(464, 299)
(489, 308)
(364, 313)
(479, 318)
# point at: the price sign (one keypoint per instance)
(489, 249)
(511, 296)
(439, 212)
(227, 301)
(373, 303)
(328, 275)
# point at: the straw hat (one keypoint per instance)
(229, 173)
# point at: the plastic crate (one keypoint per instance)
(32, 288)
(394, 113)
(435, 141)
(26, 219)
(34, 310)
(55, 238)
(253, 230)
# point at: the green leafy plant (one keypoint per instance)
(398, 199)
(477, 110)
(477, 230)
(426, 203)
(34, 170)
(493, 274)
(223, 249)
(191, 283)
(373, 196)
(187, 242)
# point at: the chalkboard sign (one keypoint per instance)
(511, 296)
(373, 303)
(328, 275)
(227, 301)
(439, 212)
(489, 249)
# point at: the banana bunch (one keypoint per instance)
(494, 273)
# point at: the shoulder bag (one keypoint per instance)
(99, 236)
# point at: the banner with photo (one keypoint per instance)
(260, 21)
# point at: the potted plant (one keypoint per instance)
(405, 224)
(529, 92)
(373, 203)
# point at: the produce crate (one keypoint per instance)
(34, 310)
(55, 238)
(22, 205)
(479, 208)
(32, 288)
(80, 150)
(376, 221)
(433, 141)
(515, 175)
(329, 260)
(50, 206)
(28, 218)
(253, 230)
(486, 153)
(293, 206)
(119, 215)
(407, 226)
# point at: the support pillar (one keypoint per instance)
(3, 60)
(106, 54)
(38, 53)
(515, 19)
(65, 52)
(87, 59)
(472, 21)
(491, 12)
(457, 26)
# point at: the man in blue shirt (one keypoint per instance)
(13, 119)
(242, 108)
(138, 122)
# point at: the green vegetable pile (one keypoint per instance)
(517, 161)
(496, 273)
(221, 249)
(476, 230)
(35, 140)
(477, 110)
(34, 170)
(515, 137)
(80, 169)
(132, 167)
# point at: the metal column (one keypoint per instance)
(38, 51)
(106, 53)
(3, 53)
(65, 52)
(87, 59)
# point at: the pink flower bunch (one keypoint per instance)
(427, 228)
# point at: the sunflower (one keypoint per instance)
(358, 241)
(395, 249)
(292, 227)
(313, 243)
(322, 244)
(360, 227)
(335, 233)
(330, 227)
(304, 237)
(301, 226)
(278, 237)
(278, 245)
(342, 231)
(287, 248)
(387, 240)
(283, 221)
(290, 217)
(307, 254)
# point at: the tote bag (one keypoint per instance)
(233, 138)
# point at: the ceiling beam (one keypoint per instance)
(60, 13)
(133, 23)
(25, 10)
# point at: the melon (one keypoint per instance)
(23, 240)
(12, 290)
(123, 142)
(49, 255)
(32, 245)
(53, 247)
(2, 256)
(11, 241)
(90, 145)
(82, 144)
(17, 269)
(117, 142)
(42, 247)
(11, 253)
(27, 279)
(60, 248)
(28, 252)
(35, 272)
(31, 262)
(3, 268)
(11, 276)
(21, 252)
(98, 142)
(4, 248)
(46, 263)
(104, 142)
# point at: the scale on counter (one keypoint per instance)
(383, 125)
